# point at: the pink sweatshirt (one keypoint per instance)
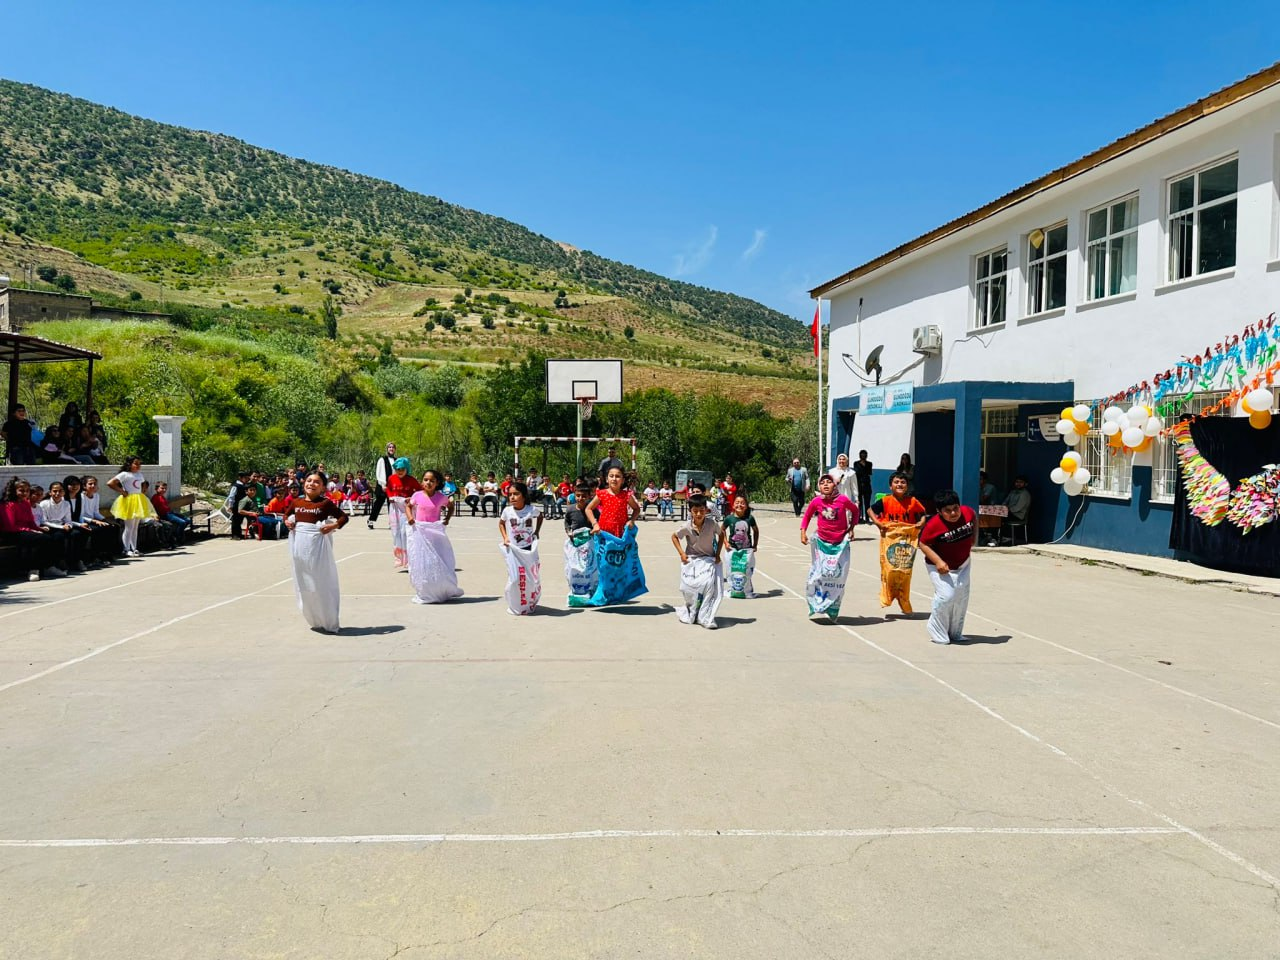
(16, 516)
(836, 519)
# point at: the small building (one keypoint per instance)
(20, 307)
(1070, 288)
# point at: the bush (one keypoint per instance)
(447, 320)
(46, 272)
(64, 281)
(398, 380)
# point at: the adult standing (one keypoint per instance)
(382, 471)
(862, 477)
(798, 484)
(908, 470)
(844, 476)
(607, 464)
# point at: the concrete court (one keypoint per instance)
(189, 772)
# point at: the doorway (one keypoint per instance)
(999, 446)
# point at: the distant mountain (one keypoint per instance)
(162, 203)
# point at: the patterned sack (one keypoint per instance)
(621, 578)
(524, 578)
(827, 574)
(742, 565)
(897, 556)
(580, 566)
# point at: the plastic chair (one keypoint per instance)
(1014, 526)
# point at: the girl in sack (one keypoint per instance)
(837, 516)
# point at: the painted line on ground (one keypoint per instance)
(143, 633)
(1086, 656)
(1213, 845)
(130, 583)
(727, 834)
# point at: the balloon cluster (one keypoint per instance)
(1133, 430)
(1074, 423)
(1257, 404)
(1071, 475)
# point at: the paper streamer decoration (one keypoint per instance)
(1254, 503)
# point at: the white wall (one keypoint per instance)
(1104, 347)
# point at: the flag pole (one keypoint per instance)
(822, 445)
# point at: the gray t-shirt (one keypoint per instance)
(699, 543)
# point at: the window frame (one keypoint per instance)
(1041, 263)
(1195, 211)
(1166, 472)
(1095, 455)
(982, 289)
(1105, 241)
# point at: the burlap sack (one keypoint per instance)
(897, 556)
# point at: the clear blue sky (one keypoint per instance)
(758, 148)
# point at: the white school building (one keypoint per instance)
(1071, 288)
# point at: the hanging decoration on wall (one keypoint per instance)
(1254, 502)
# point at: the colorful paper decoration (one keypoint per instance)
(1254, 502)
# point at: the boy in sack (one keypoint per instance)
(580, 570)
(698, 543)
(946, 542)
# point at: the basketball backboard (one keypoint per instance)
(572, 381)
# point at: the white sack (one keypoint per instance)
(315, 576)
(431, 563)
(701, 588)
(524, 578)
(580, 570)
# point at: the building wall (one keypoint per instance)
(31, 306)
(1104, 346)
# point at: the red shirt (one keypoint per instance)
(398, 486)
(564, 489)
(729, 490)
(611, 512)
(161, 505)
(951, 543)
(16, 516)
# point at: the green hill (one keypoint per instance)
(208, 217)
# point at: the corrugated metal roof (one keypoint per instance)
(1227, 96)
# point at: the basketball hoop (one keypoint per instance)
(584, 406)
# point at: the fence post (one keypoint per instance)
(171, 449)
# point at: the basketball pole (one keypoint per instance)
(579, 436)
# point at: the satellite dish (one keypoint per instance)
(873, 363)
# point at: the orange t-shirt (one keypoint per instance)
(891, 508)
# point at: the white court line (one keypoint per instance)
(143, 633)
(1134, 801)
(130, 583)
(1086, 656)
(421, 838)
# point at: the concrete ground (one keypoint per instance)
(188, 771)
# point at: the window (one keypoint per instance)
(1047, 269)
(1112, 251)
(991, 285)
(1109, 471)
(1202, 220)
(1166, 474)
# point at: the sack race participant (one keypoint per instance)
(520, 523)
(432, 566)
(400, 487)
(579, 548)
(698, 542)
(837, 516)
(899, 517)
(741, 539)
(311, 519)
(947, 541)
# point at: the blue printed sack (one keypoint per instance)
(621, 578)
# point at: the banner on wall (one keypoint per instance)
(895, 398)
(1043, 429)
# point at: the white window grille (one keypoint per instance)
(1047, 268)
(1000, 421)
(1110, 473)
(1165, 471)
(990, 287)
(1112, 248)
(1202, 220)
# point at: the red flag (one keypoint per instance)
(815, 330)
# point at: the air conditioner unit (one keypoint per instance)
(927, 340)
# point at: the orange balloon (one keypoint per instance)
(1080, 427)
(1144, 446)
(1260, 419)
(1115, 441)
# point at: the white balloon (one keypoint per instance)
(1152, 427)
(1071, 439)
(1082, 476)
(1112, 414)
(1058, 475)
(1080, 412)
(1110, 428)
(1072, 488)
(1260, 399)
(1133, 436)
(1065, 427)
(1136, 416)
(1072, 455)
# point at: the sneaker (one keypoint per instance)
(683, 616)
(370, 524)
(712, 625)
(418, 600)
(33, 576)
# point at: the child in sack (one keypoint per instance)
(697, 541)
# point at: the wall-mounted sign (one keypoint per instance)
(895, 398)
(1042, 428)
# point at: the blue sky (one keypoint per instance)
(758, 148)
